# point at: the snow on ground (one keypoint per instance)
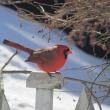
(20, 97)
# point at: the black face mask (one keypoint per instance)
(66, 53)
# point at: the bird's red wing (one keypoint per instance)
(43, 56)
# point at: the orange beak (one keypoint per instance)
(69, 52)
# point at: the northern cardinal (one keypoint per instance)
(48, 59)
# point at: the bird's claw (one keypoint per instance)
(50, 75)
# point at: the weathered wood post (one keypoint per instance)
(84, 102)
(3, 101)
(44, 85)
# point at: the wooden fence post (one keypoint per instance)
(84, 102)
(44, 85)
(3, 101)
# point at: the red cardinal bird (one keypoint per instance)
(48, 59)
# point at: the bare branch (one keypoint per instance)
(91, 94)
(85, 81)
(8, 62)
(1, 70)
(50, 17)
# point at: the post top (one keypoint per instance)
(44, 81)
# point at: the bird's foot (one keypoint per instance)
(50, 75)
(53, 74)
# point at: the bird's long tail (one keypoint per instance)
(18, 46)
